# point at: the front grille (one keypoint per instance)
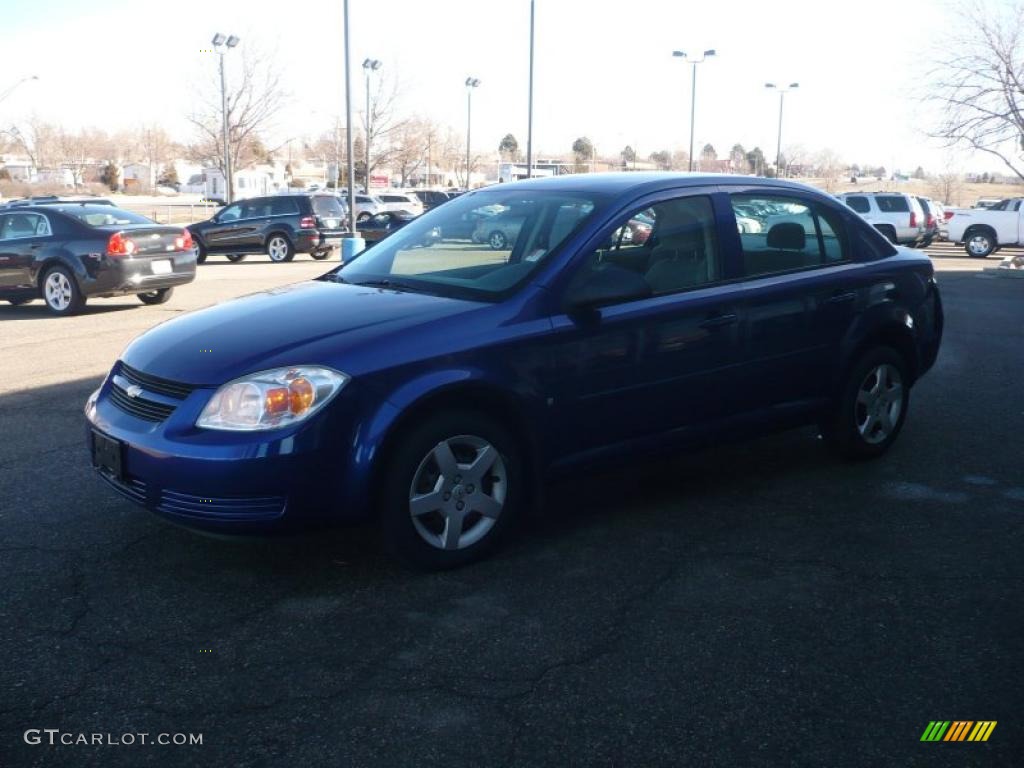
(223, 508)
(132, 489)
(155, 384)
(140, 407)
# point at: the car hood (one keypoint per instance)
(316, 322)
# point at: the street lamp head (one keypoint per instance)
(472, 82)
(794, 85)
(218, 39)
(709, 53)
(769, 85)
(371, 65)
(679, 54)
(34, 77)
(233, 40)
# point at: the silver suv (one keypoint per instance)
(896, 215)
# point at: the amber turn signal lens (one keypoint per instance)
(302, 394)
(276, 400)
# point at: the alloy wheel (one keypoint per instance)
(879, 403)
(58, 291)
(979, 245)
(277, 248)
(458, 492)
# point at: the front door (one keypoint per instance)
(655, 364)
(223, 230)
(22, 236)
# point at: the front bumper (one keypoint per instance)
(227, 482)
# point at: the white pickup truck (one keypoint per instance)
(984, 230)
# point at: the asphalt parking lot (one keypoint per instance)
(761, 604)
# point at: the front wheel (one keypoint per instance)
(61, 292)
(280, 248)
(979, 244)
(320, 255)
(872, 406)
(161, 296)
(450, 490)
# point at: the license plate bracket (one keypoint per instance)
(161, 267)
(108, 455)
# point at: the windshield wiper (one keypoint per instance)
(390, 284)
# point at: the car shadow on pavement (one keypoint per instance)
(37, 310)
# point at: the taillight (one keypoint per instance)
(119, 245)
(307, 222)
(931, 221)
(183, 242)
(948, 215)
(913, 219)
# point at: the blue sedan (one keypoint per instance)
(436, 388)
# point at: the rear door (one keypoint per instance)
(800, 296)
(22, 236)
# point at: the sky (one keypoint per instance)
(603, 69)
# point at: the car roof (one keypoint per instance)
(644, 182)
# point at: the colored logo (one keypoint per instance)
(958, 730)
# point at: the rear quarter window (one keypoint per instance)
(284, 206)
(892, 204)
(859, 204)
(327, 207)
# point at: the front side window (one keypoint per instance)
(481, 246)
(859, 204)
(789, 234)
(231, 213)
(671, 246)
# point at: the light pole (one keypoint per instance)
(222, 44)
(11, 90)
(529, 121)
(369, 67)
(693, 89)
(471, 83)
(778, 147)
(349, 160)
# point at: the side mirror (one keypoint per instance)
(601, 288)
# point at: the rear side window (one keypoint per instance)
(327, 207)
(859, 204)
(892, 204)
(781, 234)
(18, 225)
(104, 216)
(284, 206)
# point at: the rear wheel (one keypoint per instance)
(236, 257)
(61, 292)
(872, 406)
(497, 240)
(280, 248)
(450, 490)
(161, 296)
(200, 252)
(979, 243)
(320, 255)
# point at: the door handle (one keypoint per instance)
(717, 321)
(842, 297)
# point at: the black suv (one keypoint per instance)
(431, 198)
(279, 226)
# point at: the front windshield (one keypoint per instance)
(478, 245)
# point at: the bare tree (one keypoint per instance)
(39, 140)
(381, 123)
(155, 147)
(409, 147)
(254, 97)
(980, 88)
(82, 150)
(830, 168)
(947, 187)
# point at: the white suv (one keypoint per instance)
(401, 201)
(896, 215)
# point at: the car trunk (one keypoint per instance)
(150, 239)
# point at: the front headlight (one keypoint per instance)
(271, 399)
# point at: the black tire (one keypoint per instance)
(363, 217)
(844, 429)
(889, 232)
(19, 302)
(161, 296)
(979, 243)
(497, 240)
(234, 258)
(200, 252)
(413, 451)
(279, 248)
(72, 300)
(320, 255)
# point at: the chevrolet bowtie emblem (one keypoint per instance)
(133, 391)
